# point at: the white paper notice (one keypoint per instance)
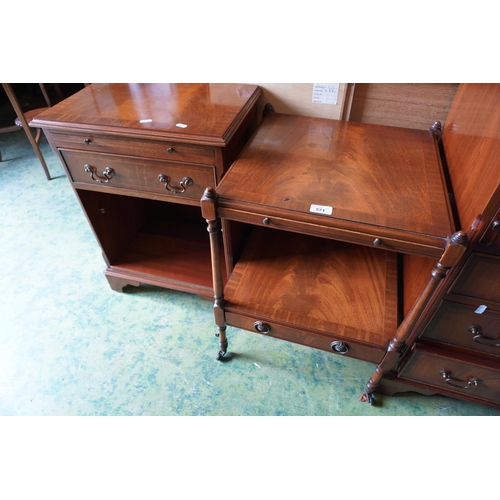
(325, 93)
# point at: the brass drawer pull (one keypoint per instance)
(339, 347)
(106, 175)
(262, 327)
(186, 181)
(478, 337)
(472, 382)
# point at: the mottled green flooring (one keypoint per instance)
(71, 346)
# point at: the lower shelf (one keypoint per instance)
(149, 241)
(168, 252)
(173, 254)
(311, 287)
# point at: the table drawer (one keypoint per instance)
(139, 174)
(479, 279)
(143, 148)
(461, 325)
(462, 376)
(375, 236)
(331, 343)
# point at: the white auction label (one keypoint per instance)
(481, 309)
(320, 209)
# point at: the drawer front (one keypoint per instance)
(466, 326)
(134, 147)
(138, 174)
(378, 238)
(479, 279)
(326, 343)
(466, 377)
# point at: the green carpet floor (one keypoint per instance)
(70, 346)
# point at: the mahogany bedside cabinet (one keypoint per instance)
(139, 157)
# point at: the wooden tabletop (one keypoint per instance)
(359, 176)
(205, 113)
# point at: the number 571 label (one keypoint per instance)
(321, 209)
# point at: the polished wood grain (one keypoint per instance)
(148, 233)
(415, 273)
(315, 339)
(471, 140)
(211, 113)
(480, 279)
(406, 333)
(138, 175)
(310, 277)
(161, 150)
(148, 241)
(409, 105)
(442, 333)
(188, 254)
(316, 284)
(426, 365)
(374, 178)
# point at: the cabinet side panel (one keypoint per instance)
(471, 142)
(416, 274)
(114, 220)
(409, 105)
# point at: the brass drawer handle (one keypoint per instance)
(262, 327)
(472, 382)
(339, 347)
(478, 337)
(186, 181)
(106, 175)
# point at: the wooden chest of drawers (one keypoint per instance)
(458, 346)
(458, 353)
(139, 157)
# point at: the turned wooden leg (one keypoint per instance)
(405, 335)
(209, 213)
